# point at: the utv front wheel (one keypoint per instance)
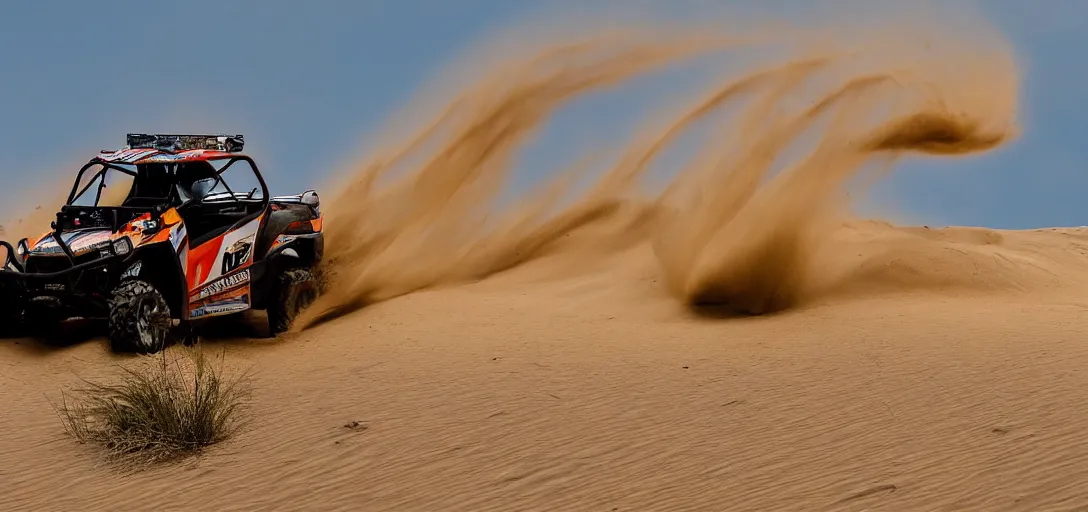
(139, 318)
(296, 290)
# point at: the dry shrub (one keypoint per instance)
(161, 411)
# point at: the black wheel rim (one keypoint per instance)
(151, 324)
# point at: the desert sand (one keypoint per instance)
(603, 354)
(596, 392)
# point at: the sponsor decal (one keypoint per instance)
(229, 294)
(127, 155)
(143, 225)
(89, 241)
(47, 245)
(166, 158)
(177, 235)
(237, 255)
(78, 242)
(225, 284)
(219, 308)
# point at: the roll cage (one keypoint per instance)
(172, 171)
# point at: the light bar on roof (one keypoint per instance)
(179, 142)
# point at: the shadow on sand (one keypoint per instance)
(249, 326)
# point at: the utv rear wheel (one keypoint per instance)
(139, 318)
(296, 290)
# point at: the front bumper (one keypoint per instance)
(90, 276)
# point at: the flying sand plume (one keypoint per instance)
(424, 230)
(741, 236)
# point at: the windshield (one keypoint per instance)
(102, 185)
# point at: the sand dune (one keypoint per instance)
(598, 355)
(596, 392)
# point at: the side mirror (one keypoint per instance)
(22, 250)
(310, 198)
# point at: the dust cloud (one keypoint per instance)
(746, 244)
(35, 220)
(732, 229)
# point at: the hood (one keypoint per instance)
(85, 240)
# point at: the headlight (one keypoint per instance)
(122, 246)
(22, 248)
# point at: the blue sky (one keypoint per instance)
(308, 85)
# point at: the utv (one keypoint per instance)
(166, 231)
